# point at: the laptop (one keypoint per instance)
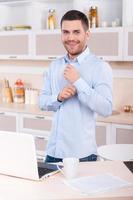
(129, 165)
(18, 157)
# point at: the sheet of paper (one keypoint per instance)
(98, 183)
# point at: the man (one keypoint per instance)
(77, 86)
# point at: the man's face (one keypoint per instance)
(74, 37)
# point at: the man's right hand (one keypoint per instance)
(66, 93)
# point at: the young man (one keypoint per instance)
(77, 86)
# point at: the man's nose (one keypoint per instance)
(71, 36)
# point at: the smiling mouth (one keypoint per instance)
(71, 44)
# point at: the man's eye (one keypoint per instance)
(65, 32)
(77, 32)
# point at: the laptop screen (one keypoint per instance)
(18, 157)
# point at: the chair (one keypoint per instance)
(123, 152)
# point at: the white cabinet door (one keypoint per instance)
(122, 134)
(15, 45)
(40, 143)
(8, 121)
(107, 43)
(38, 125)
(48, 45)
(128, 44)
(103, 133)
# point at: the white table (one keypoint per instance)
(123, 152)
(54, 187)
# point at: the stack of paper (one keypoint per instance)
(98, 183)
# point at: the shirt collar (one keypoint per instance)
(79, 58)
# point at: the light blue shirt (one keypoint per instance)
(73, 129)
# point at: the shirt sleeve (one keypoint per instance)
(97, 97)
(47, 100)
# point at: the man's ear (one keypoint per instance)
(88, 33)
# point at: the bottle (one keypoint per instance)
(51, 20)
(93, 17)
(6, 92)
(34, 97)
(19, 92)
(27, 95)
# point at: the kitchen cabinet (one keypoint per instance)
(39, 126)
(40, 43)
(48, 45)
(15, 45)
(103, 133)
(40, 143)
(112, 133)
(35, 124)
(128, 44)
(122, 134)
(9, 121)
(99, 43)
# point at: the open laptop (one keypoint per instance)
(129, 165)
(18, 157)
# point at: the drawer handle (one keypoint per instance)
(2, 113)
(52, 57)
(41, 137)
(39, 117)
(12, 56)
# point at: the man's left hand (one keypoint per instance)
(71, 74)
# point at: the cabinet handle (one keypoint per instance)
(39, 117)
(52, 57)
(2, 113)
(42, 137)
(101, 58)
(12, 56)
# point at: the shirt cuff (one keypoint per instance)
(56, 101)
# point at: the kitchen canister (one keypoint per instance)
(31, 96)
(19, 91)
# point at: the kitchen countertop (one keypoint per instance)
(116, 117)
(23, 108)
(121, 118)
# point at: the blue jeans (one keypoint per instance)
(51, 159)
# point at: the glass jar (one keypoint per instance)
(93, 17)
(51, 20)
(19, 92)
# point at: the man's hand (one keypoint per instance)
(66, 93)
(71, 74)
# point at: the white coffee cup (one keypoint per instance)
(70, 167)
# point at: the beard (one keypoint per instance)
(74, 49)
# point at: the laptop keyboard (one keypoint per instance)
(42, 171)
(44, 168)
(129, 165)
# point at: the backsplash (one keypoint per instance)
(122, 86)
(122, 92)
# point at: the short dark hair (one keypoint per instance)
(76, 15)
